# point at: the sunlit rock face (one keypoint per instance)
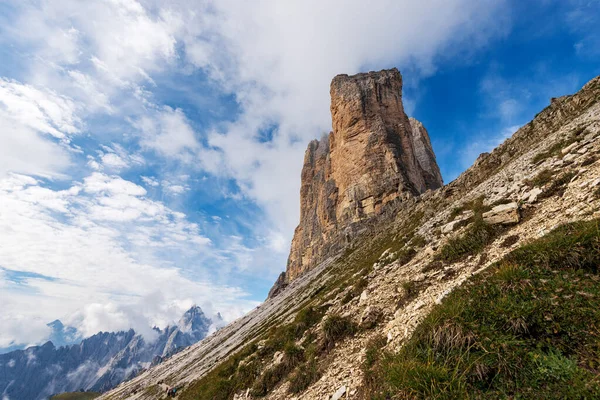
(374, 155)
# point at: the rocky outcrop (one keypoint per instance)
(374, 155)
(504, 214)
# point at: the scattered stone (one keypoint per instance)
(569, 148)
(459, 221)
(364, 296)
(370, 317)
(278, 357)
(340, 392)
(504, 214)
(532, 196)
(570, 157)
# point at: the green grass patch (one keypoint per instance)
(292, 357)
(542, 178)
(556, 149)
(336, 328)
(558, 186)
(526, 328)
(471, 242)
(306, 373)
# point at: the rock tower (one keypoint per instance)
(374, 155)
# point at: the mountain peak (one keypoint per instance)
(194, 321)
(56, 324)
(374, 156)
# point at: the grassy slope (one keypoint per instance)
(301, 366)
(75, 396)
(528, 327)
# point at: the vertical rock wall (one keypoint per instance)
(374, 155)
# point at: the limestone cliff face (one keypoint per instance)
(374, 155)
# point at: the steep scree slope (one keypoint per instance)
(315, 338)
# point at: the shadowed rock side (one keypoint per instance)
(374, 155)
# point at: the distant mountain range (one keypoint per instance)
(67, 363)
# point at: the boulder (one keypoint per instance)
(459, 221)
(569, 148)
(370, 317)
(504, 214)
(532, 195)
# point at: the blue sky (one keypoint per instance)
(150, 151)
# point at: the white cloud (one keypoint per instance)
(35, 125)
(115, 158)
(176, 189)
(24, 150)
(101, 240)
(21, 330)
(279, 57)
(169, 134)
(98, 249)
(150, 181)
(41, 110)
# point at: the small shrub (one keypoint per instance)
(269, 380)
(541, 178)
(433, 266)
(292, 357)
(356, 290)
(370, 367)
(348, 297)
(475, 205)
(558, 186)
(305, 375)
(410, 290)
(336, 328)
(405, 255)
(477, 236)
(456, 211)
(418, 241)
(306, 319)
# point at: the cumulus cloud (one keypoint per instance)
(278, 58)
(21, 330)
(100, 239)
(35, 125)
(169, 134)
(103, 243)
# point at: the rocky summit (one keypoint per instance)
(97, 363)
(486, 287)
(375, 155)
